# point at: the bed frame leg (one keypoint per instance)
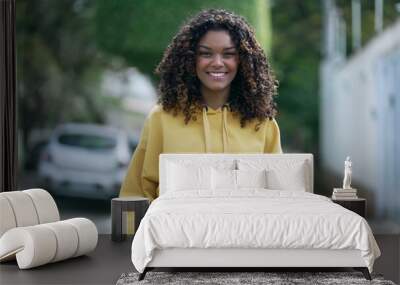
(143, 274)
(364, 271)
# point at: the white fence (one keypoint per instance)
(360, 117)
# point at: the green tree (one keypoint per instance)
(57, 64)
(139, 31)
(296, 50)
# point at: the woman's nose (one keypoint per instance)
(218, 60)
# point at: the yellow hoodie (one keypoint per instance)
(218, 131)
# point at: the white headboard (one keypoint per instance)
(239, 161)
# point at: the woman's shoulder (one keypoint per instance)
(156, 109)
(271, 122)
(157, 113)
(267, 125)
(271, 126)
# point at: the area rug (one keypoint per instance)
(243, 278)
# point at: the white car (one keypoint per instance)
(85, 160)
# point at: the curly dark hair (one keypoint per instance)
(253, 88)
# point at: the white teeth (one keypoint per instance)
(217, 74)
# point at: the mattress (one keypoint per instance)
(250, 219)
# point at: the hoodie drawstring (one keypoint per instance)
(206, 127)
(224, 129)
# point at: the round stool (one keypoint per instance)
(126, 214)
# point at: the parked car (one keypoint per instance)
(85, 160)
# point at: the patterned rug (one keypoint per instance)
(243, 278)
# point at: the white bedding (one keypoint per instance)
(252, 218)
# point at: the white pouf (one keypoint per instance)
(31, 233)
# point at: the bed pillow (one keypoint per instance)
(181, 177)
(293, 179)
(282, 174)
(251, 178)
(228, 179)
(223, 179)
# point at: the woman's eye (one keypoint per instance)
(230, 54)
(205, 54)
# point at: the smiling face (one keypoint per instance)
(217, 62)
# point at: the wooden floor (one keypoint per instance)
(106, 264)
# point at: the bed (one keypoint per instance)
(247, 210)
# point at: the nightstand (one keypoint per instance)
(358, 205)
(126, 214)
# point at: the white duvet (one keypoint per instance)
(250, 218)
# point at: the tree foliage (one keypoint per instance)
(296, 54)
(57, 66)
(139, 31)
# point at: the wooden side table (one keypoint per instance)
(358, 205)
(126, 214)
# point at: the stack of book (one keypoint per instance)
(344, 194)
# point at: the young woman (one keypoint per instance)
(215, 96)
